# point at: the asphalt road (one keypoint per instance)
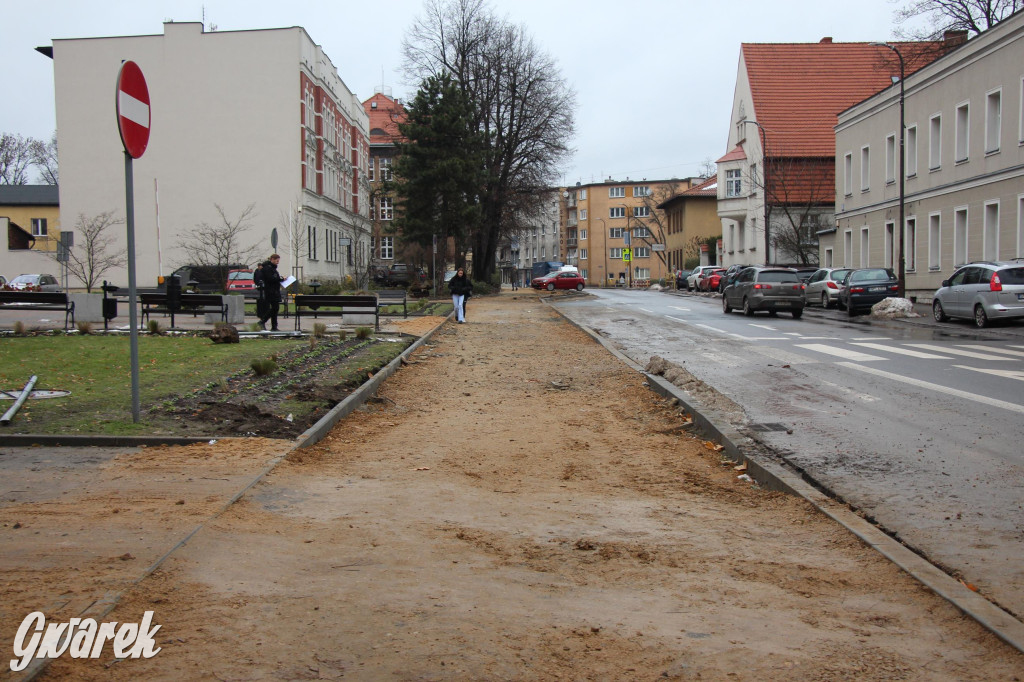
(917, 425)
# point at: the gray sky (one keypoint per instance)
(654, 78)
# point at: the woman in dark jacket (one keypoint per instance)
(460, 286)
(270, 283)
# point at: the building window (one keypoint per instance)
(615, 233)
(582, 194)
(369, 168)
(935, 241)
(935, 142)
(910, 245)
(617, 212)
(387, 248)
(583, 254)
(583, 233)
(310, 242)
(864, 244)
(641, 211)
(1020, 226)
(583, 273)
(583, 214)
(889, 247)
(890, 159)
(641, 232)
(642, 252)
(865, 169)
(828, 259)
(733, 183)
(963, 121)
(641, 191)
(641, 273)
(386, 210)
(990, 236)
(615, 253)
(993, 120)
(848, 249)
(39, 227)
(960, 236)
(385, 169)
(616, 192)
(848, 174)
(911, 150)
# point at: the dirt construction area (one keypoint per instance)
(514, 505)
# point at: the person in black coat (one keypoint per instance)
(461, 287)
(270, 283)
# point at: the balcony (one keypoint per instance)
(571, 242)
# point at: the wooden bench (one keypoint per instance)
(40, 300)
(194, 303)
(390, 297)
(313, 304)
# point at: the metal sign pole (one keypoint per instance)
(129, 190)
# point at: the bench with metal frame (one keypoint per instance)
(314, 304)
(390, 297)
(39, 300)
(193, 303)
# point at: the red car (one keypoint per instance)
(562, 279)
(240, 280)
(709, 280)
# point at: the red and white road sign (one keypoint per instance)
(133, 114)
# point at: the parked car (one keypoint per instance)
(3, 281)
(240, 280)
(823, 286)
(864, 287)
(681, 276)
(731, 273)
(692, 280)
(711, 279)
(983, 291)
(36, 282)
(206, 279)
(804, 273)
(562, 279)
(771, 289)
(403, 275)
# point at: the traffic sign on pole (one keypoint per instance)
(133, 114)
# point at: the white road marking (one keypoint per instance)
(740, 336)
(1013, 407)
(765, 326)
(1015, 353)
(1005, 373)
(839, 352)
(901, 351)
(647, 311)
(675, 307)
(676, 319)
(954, 351)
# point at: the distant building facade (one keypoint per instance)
(30, 223)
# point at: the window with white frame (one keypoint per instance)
(369, 168)
(615, 253)
(583, 233)
(733, 183)
(1020, 226)
(990, 235)
(582, 194)
(993, 120)
(935, 241)
(641, 191)
(311, 242)
(385, 168)
(865, 168)
(848, 249)
(617, 212)
(911, 151)
(865, 233)
(641, 211)
(641, 252)
(828, 259)
(615, 233)
(641, 232)
(387, 248)
(386, 209)
(890, 159)
(935, 142)
(641, 273)
(959, 236)
(583, 273)
(910, 244)
(39, 228)
(889, 247)
(848, 174)
(963, 123)
(741, 236)
(616, 192)
(583, 254)
(583, 214)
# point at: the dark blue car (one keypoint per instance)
(864, 287)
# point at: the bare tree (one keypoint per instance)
(708, 168)
(523, 107)
(801, 194)
(16, 157)
(296, 242)
(973, 16)
(220, 245)
(92, 254)
(44, 158)
(656, 221)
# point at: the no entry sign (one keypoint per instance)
(133, 109)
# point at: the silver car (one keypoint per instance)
(983, 291)
(824, 285)
(693, 281)
(35, 283)
(771, 289)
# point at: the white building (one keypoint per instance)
(239, 118)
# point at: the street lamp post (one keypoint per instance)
(764, 171)
(902, 274)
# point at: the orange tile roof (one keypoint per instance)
(708, 188)
(799, 89)
(737, 154)
(384, 117)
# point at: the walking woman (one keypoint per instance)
(460, 286)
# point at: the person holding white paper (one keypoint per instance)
(271, 281)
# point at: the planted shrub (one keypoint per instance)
(319, 329)
(363, 333)
(264, 367)
(19, 328)
(342, 334)
(155, 328)
(84, 327)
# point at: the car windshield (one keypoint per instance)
(25, 279)
(870, 275)
(240, 275)
(1012, 276)
(776, 276)
(838, 275)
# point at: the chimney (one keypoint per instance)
(954, 39)
(827, 40)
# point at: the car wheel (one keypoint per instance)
(937, 312)
(980, 316)
(797, 313)
(551, 286)
(747, 310)
(726, 308)
(824, 300)
(579, 287)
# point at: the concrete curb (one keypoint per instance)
(773, 476)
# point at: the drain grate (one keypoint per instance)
(774, 426)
